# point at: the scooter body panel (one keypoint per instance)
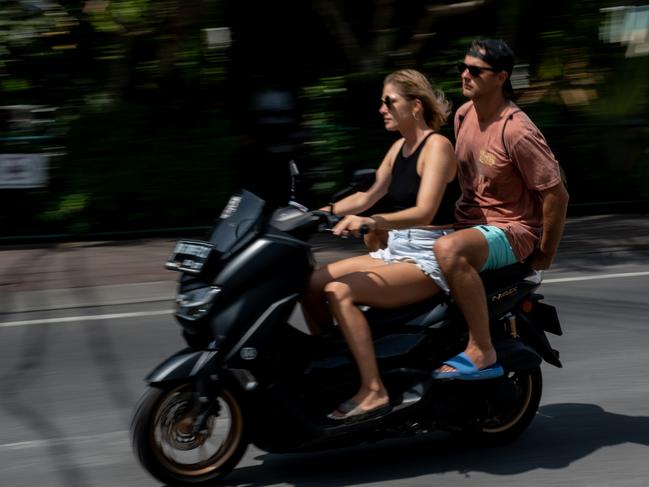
(289, 380)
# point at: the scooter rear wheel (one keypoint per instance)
(163, 440)
(505, 427)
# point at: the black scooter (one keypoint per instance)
(248, 376)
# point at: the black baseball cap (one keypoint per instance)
(498, 55)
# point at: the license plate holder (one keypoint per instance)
(190, 256)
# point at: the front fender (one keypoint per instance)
(183, 365)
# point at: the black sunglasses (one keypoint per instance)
(474, 71)
(388, 102)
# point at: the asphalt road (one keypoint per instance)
(69, 380)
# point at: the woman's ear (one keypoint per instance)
(418, 108)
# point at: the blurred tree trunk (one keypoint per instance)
(184, 22)
(386, 33)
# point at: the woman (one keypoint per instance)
(415, 174)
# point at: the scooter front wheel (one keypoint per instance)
(164, 442)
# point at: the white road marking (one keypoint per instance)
(47, 442)
(594, 278)
(140, 314)
(72, 319)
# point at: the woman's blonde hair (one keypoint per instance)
(413, 84)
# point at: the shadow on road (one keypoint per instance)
(38, 342)
(560, 435)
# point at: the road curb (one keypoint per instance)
(91, 274)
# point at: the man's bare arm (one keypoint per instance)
(555, 204)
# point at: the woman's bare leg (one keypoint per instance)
(314, 306)
(387, 286)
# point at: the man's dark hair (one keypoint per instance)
(498, 55)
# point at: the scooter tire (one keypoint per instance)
(505, 428)
(160, 426)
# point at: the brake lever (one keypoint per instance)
(332, 220)
(329, 222)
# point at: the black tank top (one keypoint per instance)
(405, 185)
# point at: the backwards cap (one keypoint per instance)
(498, 55)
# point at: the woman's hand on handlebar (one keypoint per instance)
(355, 225)
(326, 220)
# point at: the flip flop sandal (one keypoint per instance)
(353, 413)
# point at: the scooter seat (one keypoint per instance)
(495, 280)
(423, 313)
(439, 308)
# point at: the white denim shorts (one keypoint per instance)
(416, 246)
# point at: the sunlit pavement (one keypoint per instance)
(82, 324)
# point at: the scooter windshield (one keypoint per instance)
(238, 219)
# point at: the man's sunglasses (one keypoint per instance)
(474, 71)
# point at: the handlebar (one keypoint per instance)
(326, 220)
(329, 220)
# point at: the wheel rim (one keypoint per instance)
(189, 454)
(498, 424)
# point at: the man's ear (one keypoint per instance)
(502, 77)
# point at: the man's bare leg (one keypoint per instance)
(460, 255)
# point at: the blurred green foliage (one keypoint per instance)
(330, 138)
(144, 116)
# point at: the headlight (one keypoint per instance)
(195, 304)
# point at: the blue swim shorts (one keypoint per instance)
(500, 251)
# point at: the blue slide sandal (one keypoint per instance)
(465, 369)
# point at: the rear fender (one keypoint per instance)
(533, 334)
(546, 316)
(515, 355)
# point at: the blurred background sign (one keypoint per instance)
(23, 171)
(628, 25)
(218, 37)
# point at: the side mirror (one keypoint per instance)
(362, 180)
(292, 167)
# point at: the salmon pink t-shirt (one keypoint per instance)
(501, 182)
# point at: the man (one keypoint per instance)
(513, 202)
